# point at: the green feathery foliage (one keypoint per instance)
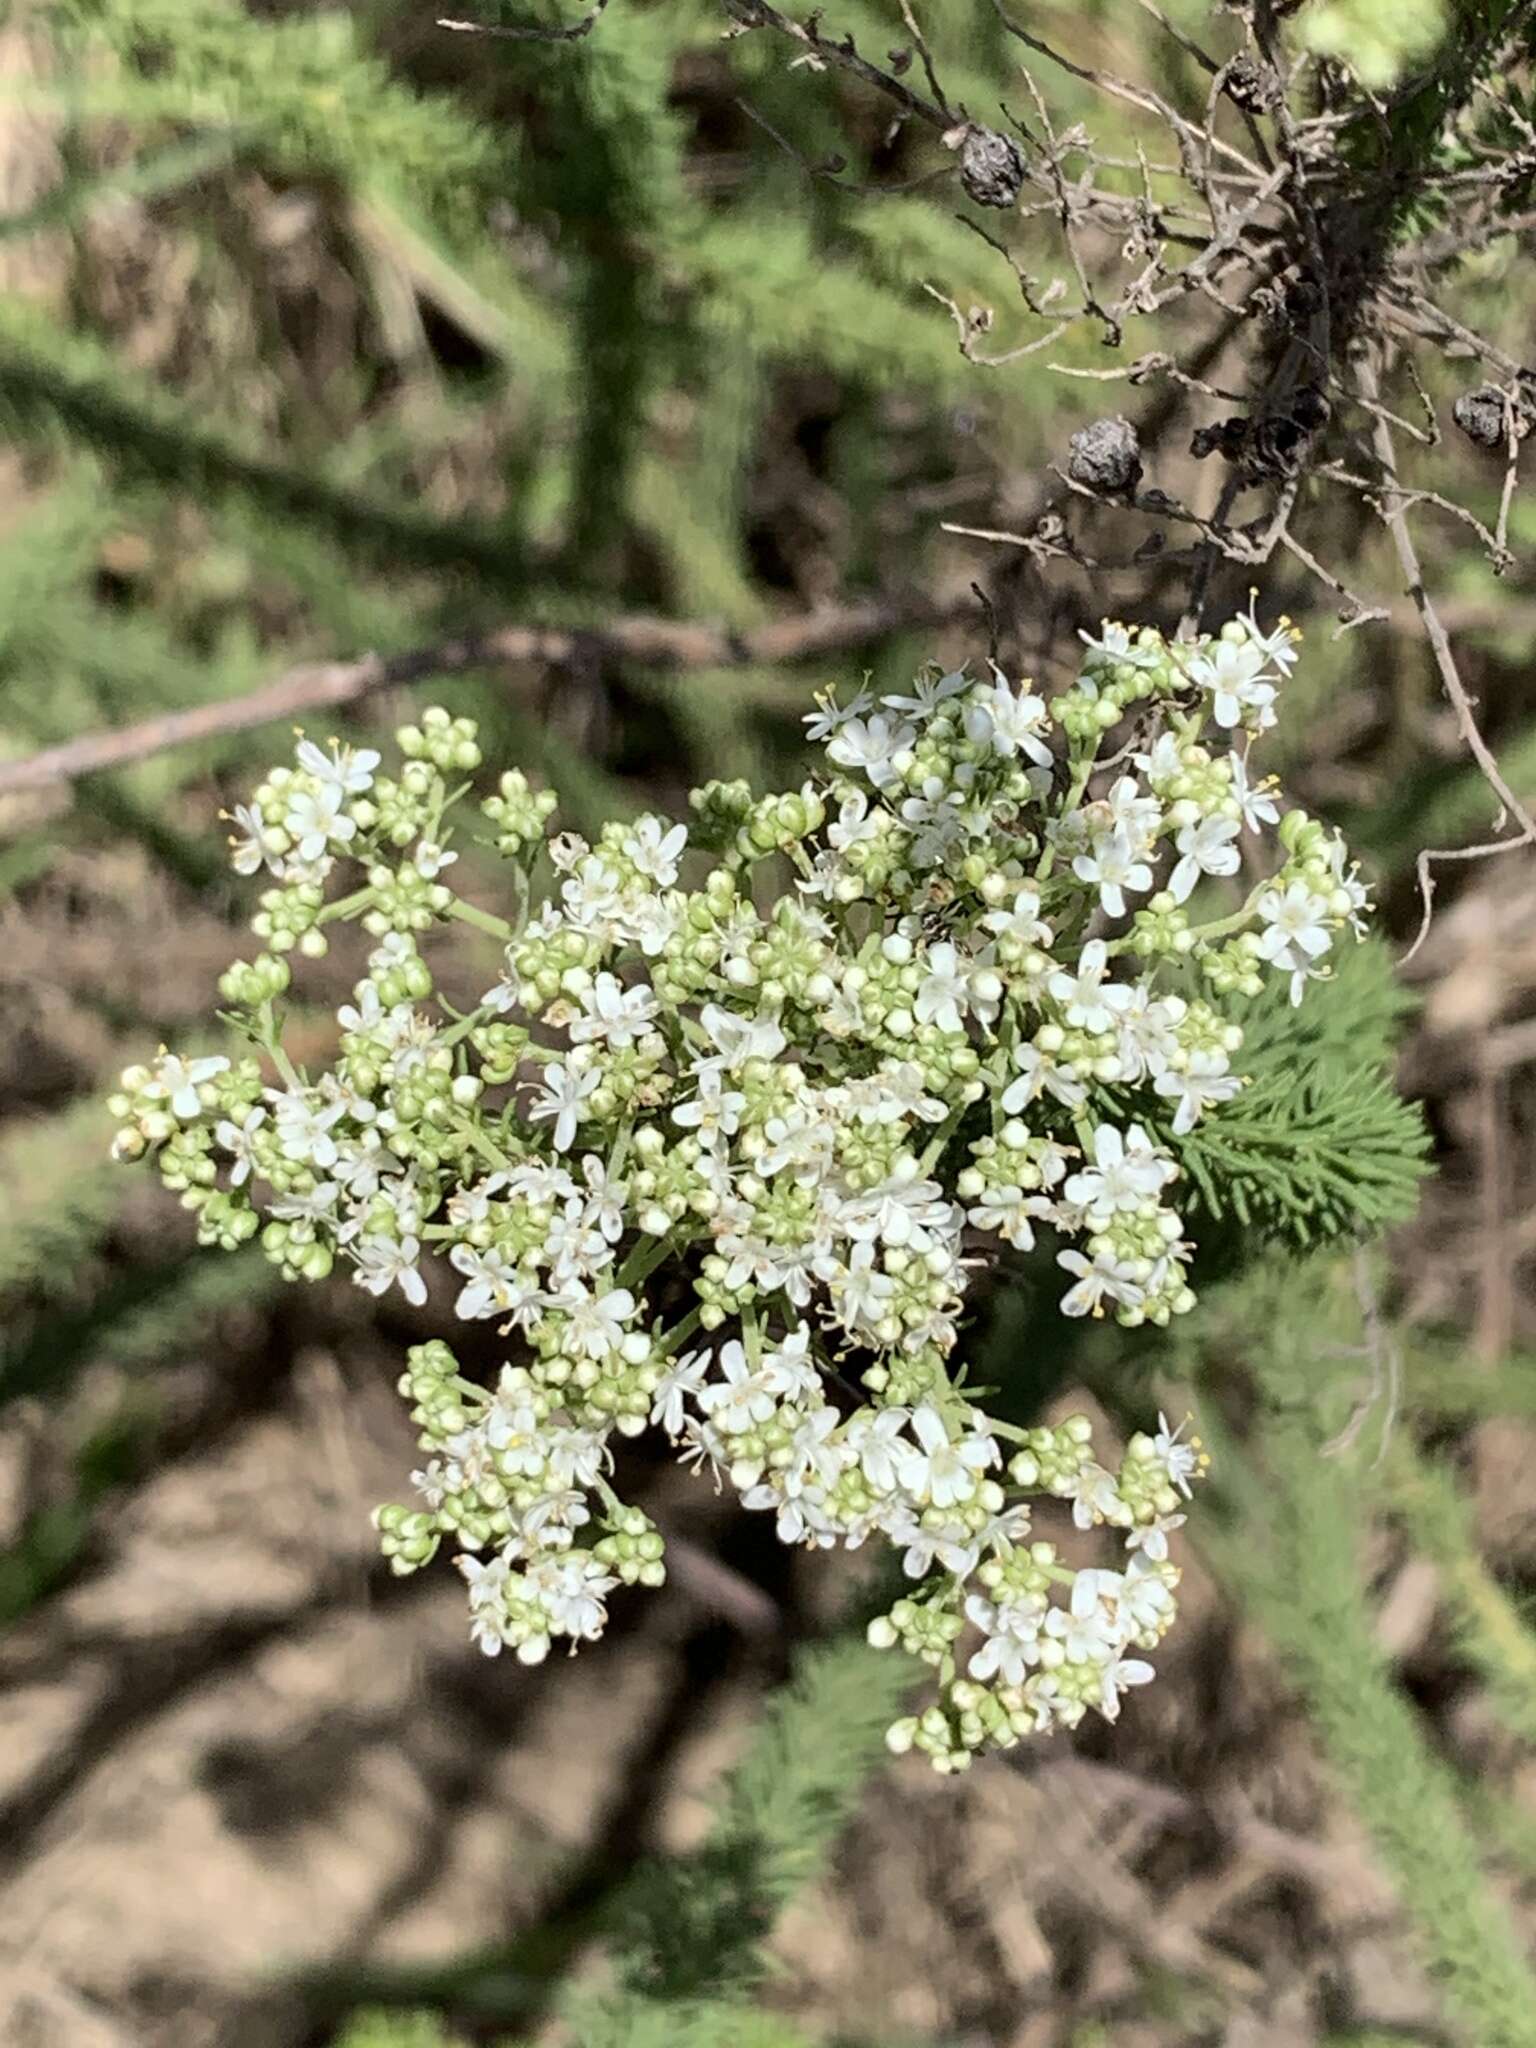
(54, 1198)
(693, 1929)
(303, 90)
(166, 167)
(1293, 1552)
(1376, 39)
(689, 1932)
(1320, 1145)
(1504, 1826)
(55, 381)
(1490, 1631)
(1296, 1562)
(597, 2023)
(134, 1320)
(379, 2028)
(639, 2023)
(54, 1538)
(1443, 1384)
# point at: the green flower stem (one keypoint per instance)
(644, 1258)
(347, 906)
(481, 1143)
(1074, 796)
(679, 1333)
(466, 1024)
(483, 920)
(933, 1151)
(271, 1043)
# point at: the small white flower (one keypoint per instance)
(251, 848)
(875, 1437)
(304, 1127)
(1206, 849)
(679, 1383)
(1180, 1460)
(179, 1080)
(1150, 1539)
(1098, 1280)
(383, 1263)
(830, 716)
(738, 1039)
(1009, 723)
(927, 1542)
(613, 1013)
(944, 991)
(715, 1112)
(1089, 1000)
(236, 1141)
(572, 1591)
(316, 1205)
(1297, 931)
(1113, 865)
(1116, 1677)
(318, 819)
(1118, 645)
(1012, 1634)
(1130, 810)
(871, 745)
(595, 1322)
(1254, 802)
(929, 692)
(1144, 1600)
(1127, 1173)
(430, 859)
(941, 1472)
(1281, 648)
(862, 1289)
(789, 1371)
(1021, 924)
(1198, 1086)
(1086, 1629)
(1233, 672)
(1163, 763)
(493, 1284)
(563, 1097)
(347, 769)
(1040, 1075)
(742, 1398)
(655, 849)
(1095, 1498)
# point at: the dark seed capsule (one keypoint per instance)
(1252, 86)
(1480, 416)
(991, 168)
(1310, 409)
(1105, 456)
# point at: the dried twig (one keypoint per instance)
(1394, 514)
(649, 642)
(573, 34)
(838, 53)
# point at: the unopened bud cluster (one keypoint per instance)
(751, 1101)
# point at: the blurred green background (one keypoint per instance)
(324, 331)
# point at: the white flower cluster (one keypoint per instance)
(750, 1102)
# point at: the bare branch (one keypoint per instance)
(1395, 515)
(573, 34)
(838, 53)
(648, 642)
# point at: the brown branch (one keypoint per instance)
(648, 642)
(573, 34)
(838, 52)
(1394, 513)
